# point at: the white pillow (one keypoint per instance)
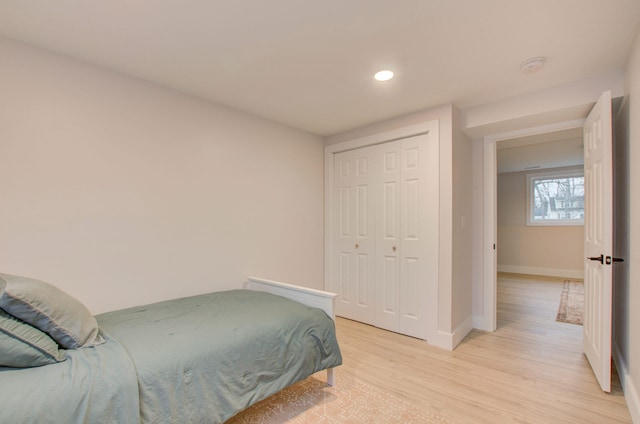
(49, 309)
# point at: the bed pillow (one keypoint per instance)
(49, 309)
(24, 346)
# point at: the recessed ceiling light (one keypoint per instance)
(383, 75)
(532, 65)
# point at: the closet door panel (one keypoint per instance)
(411, 289)
(419, 231)
(387, 235)
(355, 234)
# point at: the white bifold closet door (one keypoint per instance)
(354, 250)
(385, 213)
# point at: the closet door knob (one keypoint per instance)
(394, 248)
(357, 245)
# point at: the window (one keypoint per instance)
(555, 198)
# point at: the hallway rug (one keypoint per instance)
(349, 401)
(571, 307)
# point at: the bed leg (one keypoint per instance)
(331, 376)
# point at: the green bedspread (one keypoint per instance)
(93, 385)
(205, 358)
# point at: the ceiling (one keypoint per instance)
(310, 65)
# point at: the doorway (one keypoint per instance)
(598, 227)
(490, 171)
(540, 218)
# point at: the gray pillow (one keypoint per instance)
(49, 309)
(24, 346)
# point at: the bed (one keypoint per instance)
(197, 359)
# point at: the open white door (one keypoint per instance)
(598, 239)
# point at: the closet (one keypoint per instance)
(383, 231)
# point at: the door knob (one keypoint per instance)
(357, 245)
(610, 259)
(597, 258)
(394, 248)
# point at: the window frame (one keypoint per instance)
(530, 201)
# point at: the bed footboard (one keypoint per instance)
(309, 297)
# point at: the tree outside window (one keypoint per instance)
(555, 199)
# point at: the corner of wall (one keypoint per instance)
(450, 341)
(627, 342)
(628, 387)
(477, 223)
(480, 323)
(462, 331)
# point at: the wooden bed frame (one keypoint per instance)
(309, 297)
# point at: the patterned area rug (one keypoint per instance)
(349, 401)
(571, 307)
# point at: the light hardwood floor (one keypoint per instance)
(531, 370)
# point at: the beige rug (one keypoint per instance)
(571, 307)
(349, 401)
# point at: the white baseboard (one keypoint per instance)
(547, 272)
(633, 401)
(441, 339)
(461, 331)
(628, 387)
(449, 341)
(480, 323)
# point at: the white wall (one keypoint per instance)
(478, 236)
(563, 103)
(626, 309)
(122, 192)
(540, 250)
(462, 232)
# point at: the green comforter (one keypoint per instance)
(205, 358)
(200, 359)
(93, 385)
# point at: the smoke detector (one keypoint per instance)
(532, 65)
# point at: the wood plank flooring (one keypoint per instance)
(531, 370)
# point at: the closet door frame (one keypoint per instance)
(430, 127)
